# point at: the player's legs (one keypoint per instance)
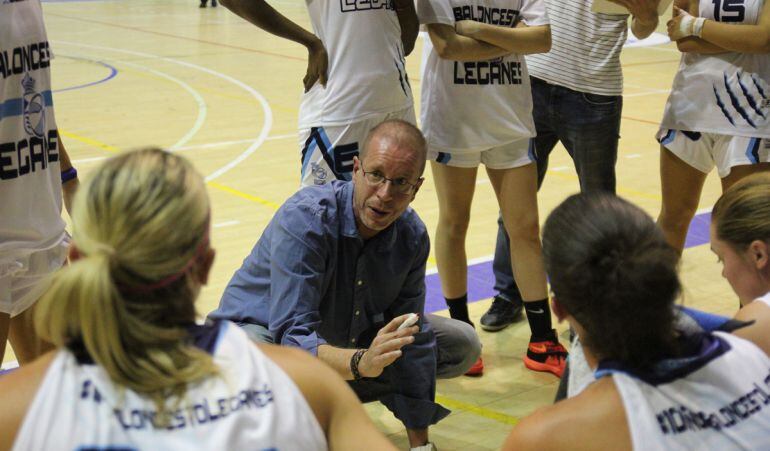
(685, 161)
(454, 187)
(739, 172)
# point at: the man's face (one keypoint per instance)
(376, 206)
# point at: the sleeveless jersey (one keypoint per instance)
(476, 105)
(719, 399)
(367, 73)
(253, 404)
(30, 184)
(727, 93)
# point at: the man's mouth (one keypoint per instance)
(377, 212)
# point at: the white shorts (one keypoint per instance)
(328, 151)
(507, 156)
(24, 275)
(703, 151)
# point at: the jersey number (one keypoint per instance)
(729, 10)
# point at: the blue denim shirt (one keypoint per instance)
(311, 280)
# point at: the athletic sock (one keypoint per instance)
(458, 309)
(539, 318)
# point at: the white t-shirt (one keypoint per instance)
(477, 105)
(367, 75)
(252, 404)
(30, 181)
(719, 401)
(726, 93)
(585, 49)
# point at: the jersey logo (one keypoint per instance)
(347, 6)
(33, 108)
(742, 98)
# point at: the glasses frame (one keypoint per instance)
(410, 187)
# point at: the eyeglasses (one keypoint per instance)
(400, 185)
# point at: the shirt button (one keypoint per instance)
(360, 282)
(353, 340)
(358, 312)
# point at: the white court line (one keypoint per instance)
(226, 224)
(634, 155)
(268, 113)
(202, 108)
(10, 365)
(559, 168)
(647, 93)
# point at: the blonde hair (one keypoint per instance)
(742, 214)
(140, 225)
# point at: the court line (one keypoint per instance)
(113, 73)
(268, 114)
(478, 410)
(202, 107)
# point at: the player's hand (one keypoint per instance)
(681, 25)
(645, 11)
(386, 347)
(317, 65)
(467, 28)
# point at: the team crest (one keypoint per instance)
(319, 173)
(34, 108)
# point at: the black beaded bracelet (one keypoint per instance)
(354, 360)
(68, 175)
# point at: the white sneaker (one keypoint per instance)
(426, 447)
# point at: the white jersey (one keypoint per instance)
(253, 404)
(727, 93)
(764, 299)
(367, 74)
(30, 183)
(477, 105)
(719, 399)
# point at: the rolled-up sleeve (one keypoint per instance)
(414, 374)
(297, 271)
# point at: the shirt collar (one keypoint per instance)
(385, 239)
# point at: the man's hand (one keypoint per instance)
(386, 347)
(317, 65)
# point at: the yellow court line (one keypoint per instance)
(480, 411)
(89, 141)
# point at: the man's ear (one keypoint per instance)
(356, 164)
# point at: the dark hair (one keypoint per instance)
(611, 268)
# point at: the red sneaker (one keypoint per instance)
(477, 369)
(547, 355)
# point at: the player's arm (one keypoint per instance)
(758, 313)
(692, 44)
(267, 18)
(452, 46)
(340, 414)
(410, 24)
(522, 39)
(743, 38)
(17, 390)
(70, 180)
(384, 350)
(644, 16)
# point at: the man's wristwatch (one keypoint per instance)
(354, 361)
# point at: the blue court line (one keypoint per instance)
(481, 279)
(112, 74)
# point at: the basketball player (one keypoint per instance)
(614, 280)
(133, 370)
(477, 108)
(740, 237)
(367, 42)
(717, 112)
(34, 168)
(577, 92)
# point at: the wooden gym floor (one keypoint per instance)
(216, 89)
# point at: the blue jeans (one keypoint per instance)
(588, 125)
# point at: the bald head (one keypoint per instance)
(397, 134)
